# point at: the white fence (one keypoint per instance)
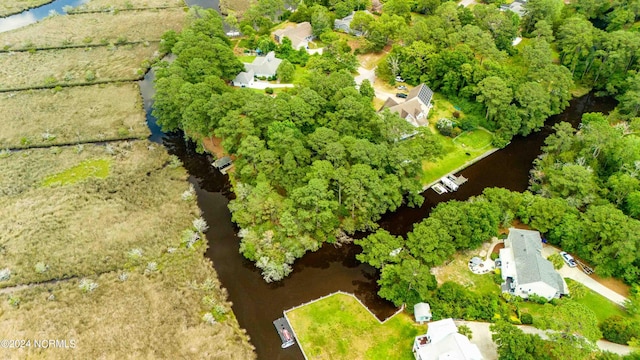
(326, 296)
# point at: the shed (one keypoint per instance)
(422, 312)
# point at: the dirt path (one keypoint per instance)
(602, 344)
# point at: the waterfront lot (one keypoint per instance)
(95, 28)
(71, 114)
(75, 66)
(339, 327)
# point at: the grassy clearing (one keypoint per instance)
(89, 226)
(75, 66)
(371, 60)
(458, 152)
(157, 315)
(10, 7)
(476, 139)
(339, 327)
(600, 305)
(454, 158)
(109, 5)
(458, 271)
(95, 28)
(246, 58)
(72, 114)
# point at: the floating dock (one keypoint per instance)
(448, 183)
(284, 331)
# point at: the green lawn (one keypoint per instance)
(457, 152)
(338, 327)
(299, 74)
(246, 58)
(455, 156)
(477, 139)
(599, 304)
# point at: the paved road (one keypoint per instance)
(602, 344)
(579, 276)
(488, 349)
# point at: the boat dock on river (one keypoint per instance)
(448, 183)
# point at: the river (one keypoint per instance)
(256, 303)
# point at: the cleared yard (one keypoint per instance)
(9, 7)
(455, 156)
(95, 28)
(475, 139)
(108, 5)
(72, 114)
(153, 316)
(90, 224)
(73, 66)
(457, 270)
(339, 327)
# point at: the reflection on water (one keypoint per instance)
(34, 15)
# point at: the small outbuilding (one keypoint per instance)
(422, 312)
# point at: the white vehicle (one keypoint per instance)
(399, 79)
(568, 259)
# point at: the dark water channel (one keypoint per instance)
(31, 16)
(256, 303)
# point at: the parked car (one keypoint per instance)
(402, 87)
(401, 95)
(568, 259)
(399, 79)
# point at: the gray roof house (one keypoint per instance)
(517, 7)
(244, 79)
(416, 108)
(344, 24)
(525, 271)
(442, 341)
(299, 34)
(264, 65)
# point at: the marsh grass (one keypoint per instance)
(141, 317)
(97, 168)
(71, 114)
(10, 7)
(73, 66)
(338, 327)
(88, 227)
(94, 29)
(114, 5)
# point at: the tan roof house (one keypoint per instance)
(416, 108)
(299, 34)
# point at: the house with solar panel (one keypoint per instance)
(524, 271)
(415, 108)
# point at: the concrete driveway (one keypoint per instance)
(364, 73)
(481, 336)
(579, 276)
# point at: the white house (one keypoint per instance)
(299, 34)
(416, 108)
(442, 341)
(524, 270)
